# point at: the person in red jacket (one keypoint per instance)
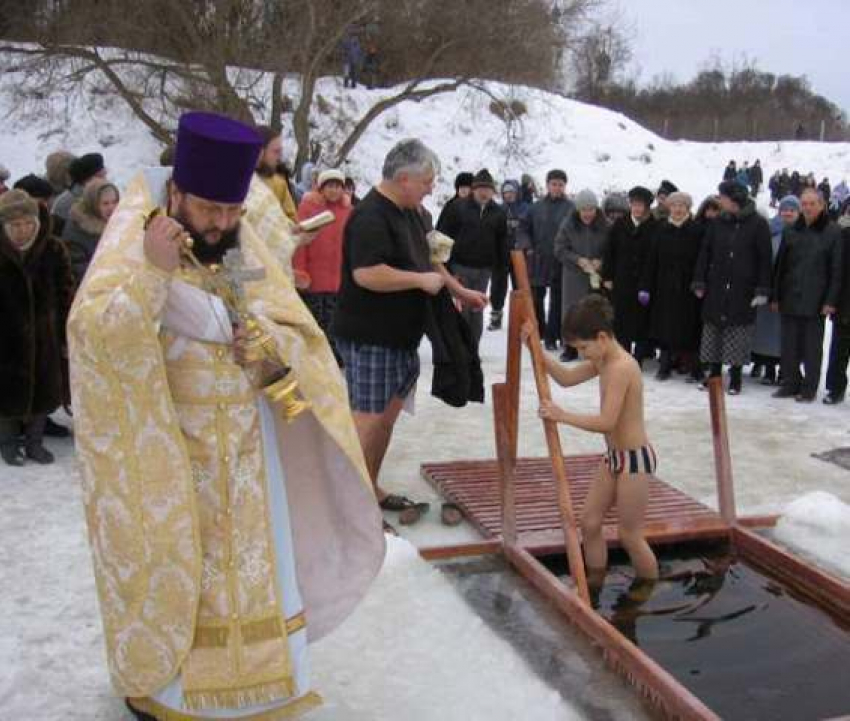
(318, 266)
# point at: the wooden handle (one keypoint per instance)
(525, 311)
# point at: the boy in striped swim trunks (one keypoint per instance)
(630, 462)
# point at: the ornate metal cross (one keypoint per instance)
(236, 275)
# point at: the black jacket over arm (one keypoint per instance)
(458, 377)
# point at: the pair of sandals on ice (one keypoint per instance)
(410, 512)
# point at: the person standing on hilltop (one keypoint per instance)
(756, 178)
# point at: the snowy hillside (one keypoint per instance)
(599, 149)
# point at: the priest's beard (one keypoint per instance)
(206, 252)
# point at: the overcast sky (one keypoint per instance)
(784, 36)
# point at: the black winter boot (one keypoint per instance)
(665, 366)
(37, 452)
(735, 380)
(11, 453)
(495, 320)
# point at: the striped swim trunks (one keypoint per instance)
(631, 462)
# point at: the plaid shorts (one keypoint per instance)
(375, 374)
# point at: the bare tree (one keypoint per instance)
(240, 57)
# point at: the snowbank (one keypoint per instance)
(598, 148)
(818, 525)
(415, 650)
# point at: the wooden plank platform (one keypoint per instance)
(474, 486)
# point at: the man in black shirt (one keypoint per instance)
(387, 276)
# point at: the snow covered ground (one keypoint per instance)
(414, 646)
(390, 660)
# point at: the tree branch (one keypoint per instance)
(409, 93)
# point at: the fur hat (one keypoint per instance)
(463, 180)
(483, 179)
(35, 187)
(556, 174)
(735, 191)
(85, 167)
(16, 204)
(680, 197)
(57, 170)
(642, 194)
(666, 188)
(616, 203)
(510, 186)
(586, 199)
(328, 176)
(790, 202)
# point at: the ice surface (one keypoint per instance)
(818, 525)
(415, 650)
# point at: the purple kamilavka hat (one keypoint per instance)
(215, 157)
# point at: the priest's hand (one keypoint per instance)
(261, 370)
(163, 240)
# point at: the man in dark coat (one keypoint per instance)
(756, 178)
(807, 284)
(463, 189)
(516, 211)
(35, 296)
(629, 243)
(839, 349)
(674, 319)
(733, 277)
(479, 227)
(661, 211)
(731, 171)
(538, 238)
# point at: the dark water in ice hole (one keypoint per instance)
(737, 639)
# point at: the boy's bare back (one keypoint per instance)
(622, 376)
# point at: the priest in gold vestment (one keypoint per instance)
(229, 511)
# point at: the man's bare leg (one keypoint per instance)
(375, 431)
(599, 499)
(632, 502)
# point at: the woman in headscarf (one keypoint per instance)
(86, 223)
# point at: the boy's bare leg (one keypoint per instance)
(599, 499)
(632, 502)
(375, 431)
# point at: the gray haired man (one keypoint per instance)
(387, 277)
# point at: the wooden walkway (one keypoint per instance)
(474, 486)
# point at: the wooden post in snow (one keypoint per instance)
(722, 453)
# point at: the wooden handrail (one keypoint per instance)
(522, 300)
